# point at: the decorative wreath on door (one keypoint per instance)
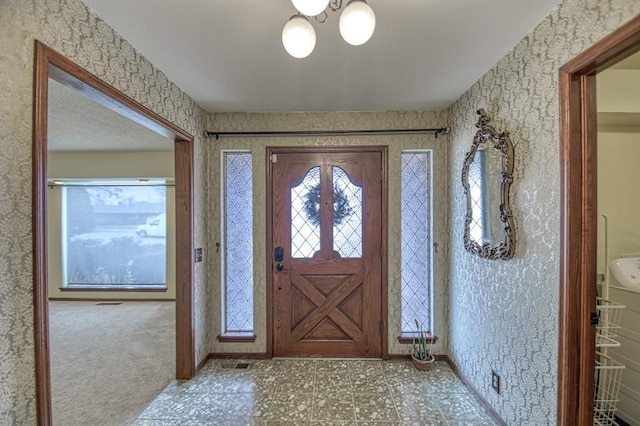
(341, 207)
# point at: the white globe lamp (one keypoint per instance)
(357, 22)
(299, 37)
(310, 7)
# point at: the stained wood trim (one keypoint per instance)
(185, 321)
(239, 355)
(270, 247)
(103, 93)
(578, 217)
(237, 338)
(384, 298)
(407, 338)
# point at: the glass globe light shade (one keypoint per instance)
(299, 37)
(310, 7)
(357, 22)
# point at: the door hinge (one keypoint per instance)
(274, 158)
(381, 175)
(381, 253)
(595, 318)
(381, 328)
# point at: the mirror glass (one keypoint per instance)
(486, 177)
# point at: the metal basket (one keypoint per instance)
(609, 319)
(607, 384)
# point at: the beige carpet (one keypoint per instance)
(108, 362)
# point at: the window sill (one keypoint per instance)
(237, 337)
(407, 338)
(118, 289)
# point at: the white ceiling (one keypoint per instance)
(228, 55)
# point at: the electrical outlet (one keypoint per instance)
(495, 381)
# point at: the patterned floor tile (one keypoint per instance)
(399, 366)
(301, 365)
(448, 383)
(414, 407)
(317, 393)
(169, 406)
(379, 424)
(459, 407)
(295, 382)
(267, 366)
(331, 382)
(441, 367)
(366, 366)
(374, 407)
(290, 407)
(332, 407)
(368, 382)
(405, 383)
(332, 366)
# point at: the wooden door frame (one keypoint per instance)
(383, 150)
(106, 94)
(578, 220)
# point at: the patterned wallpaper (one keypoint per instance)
(504, 314)
(70, 28)
(331, 121)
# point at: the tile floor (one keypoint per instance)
(317, 393)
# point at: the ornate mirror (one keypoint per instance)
(487, 174)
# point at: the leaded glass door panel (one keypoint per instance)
(326, 218)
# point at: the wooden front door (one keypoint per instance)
(326, 262)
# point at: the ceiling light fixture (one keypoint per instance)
(357, 24)
(299, 37)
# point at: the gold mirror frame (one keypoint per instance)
(487, 136)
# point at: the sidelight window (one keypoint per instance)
(237, 250)
(416, 235)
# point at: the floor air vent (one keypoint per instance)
(242, 366)
(109, 303)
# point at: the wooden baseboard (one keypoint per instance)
(105, 299)
(490, 411)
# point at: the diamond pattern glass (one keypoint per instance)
(238, 244)
(347, 215)
(416, 240)
(475, 190)
(305, 216)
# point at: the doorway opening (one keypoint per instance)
(578, 218)
(79, 79)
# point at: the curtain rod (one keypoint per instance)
(219, 135)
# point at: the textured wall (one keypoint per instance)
(331, 121)
(504, 313)
(70, 28)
